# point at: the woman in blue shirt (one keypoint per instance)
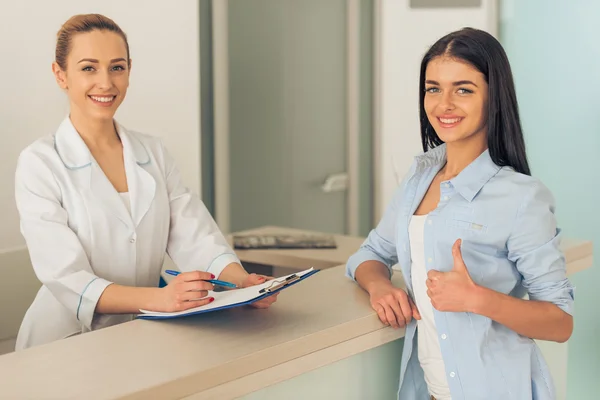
(472, 233)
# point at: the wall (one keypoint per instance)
(163, 98)
(404, 41)
(556, 74)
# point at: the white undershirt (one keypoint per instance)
(125, 197)
(430, 355)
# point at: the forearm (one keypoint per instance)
(234, 273)
(371, 273)
(118, 299)
(534, 319)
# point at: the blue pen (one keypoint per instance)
(213, 281)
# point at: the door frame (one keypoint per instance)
(220, 26)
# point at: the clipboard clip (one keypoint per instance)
(276, 285)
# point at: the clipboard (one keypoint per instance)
(235, 298)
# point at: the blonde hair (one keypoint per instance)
(80, 24)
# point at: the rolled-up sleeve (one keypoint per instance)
(380, 244)
(534, 247)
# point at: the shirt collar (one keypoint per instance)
(471, 179)
(75, 154)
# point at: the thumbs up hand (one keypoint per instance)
(454, 290)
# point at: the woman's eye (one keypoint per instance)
(432, 90)
(87, 69)
(464, 91)
(118, 68)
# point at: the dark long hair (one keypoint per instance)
(485, 53)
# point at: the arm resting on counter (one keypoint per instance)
(119, 299)
(371, 273)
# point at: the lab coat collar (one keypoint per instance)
(75, 154)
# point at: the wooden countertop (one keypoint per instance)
(221, 355)
(206, 355)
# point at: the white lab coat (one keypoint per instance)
(81, 237)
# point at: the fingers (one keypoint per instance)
(395, 308)
(405, 305)
(186, 305)
(266, 302)
(434, 275)
(195, 286)
(430, 294)
(194, 276)
(255, 279)
(398, 319)
(415, 311)
(390, 316)
(190, 296)
(381, 313)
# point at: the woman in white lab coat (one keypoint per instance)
(100, 205)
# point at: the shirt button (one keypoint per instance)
(445, 197)
(452, 374)
(429, 259)
(429, 221)
(444, 336)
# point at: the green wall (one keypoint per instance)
(554, 49)
(371, 375)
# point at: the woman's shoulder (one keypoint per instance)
(42, 149)
(523, 186)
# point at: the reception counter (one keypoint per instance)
(219, 355)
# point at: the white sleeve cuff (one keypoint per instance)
(88, 299)
(220, 262)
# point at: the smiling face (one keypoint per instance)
(456, 96)
(96, 77)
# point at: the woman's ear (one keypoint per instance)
(60, 76)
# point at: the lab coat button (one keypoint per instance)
(132, 240)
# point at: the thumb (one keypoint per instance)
(459, 264)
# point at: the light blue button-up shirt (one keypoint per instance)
(510, 243)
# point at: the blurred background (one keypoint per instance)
(304, 113)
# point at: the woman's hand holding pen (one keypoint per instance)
(393, 306)
(187, 290)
